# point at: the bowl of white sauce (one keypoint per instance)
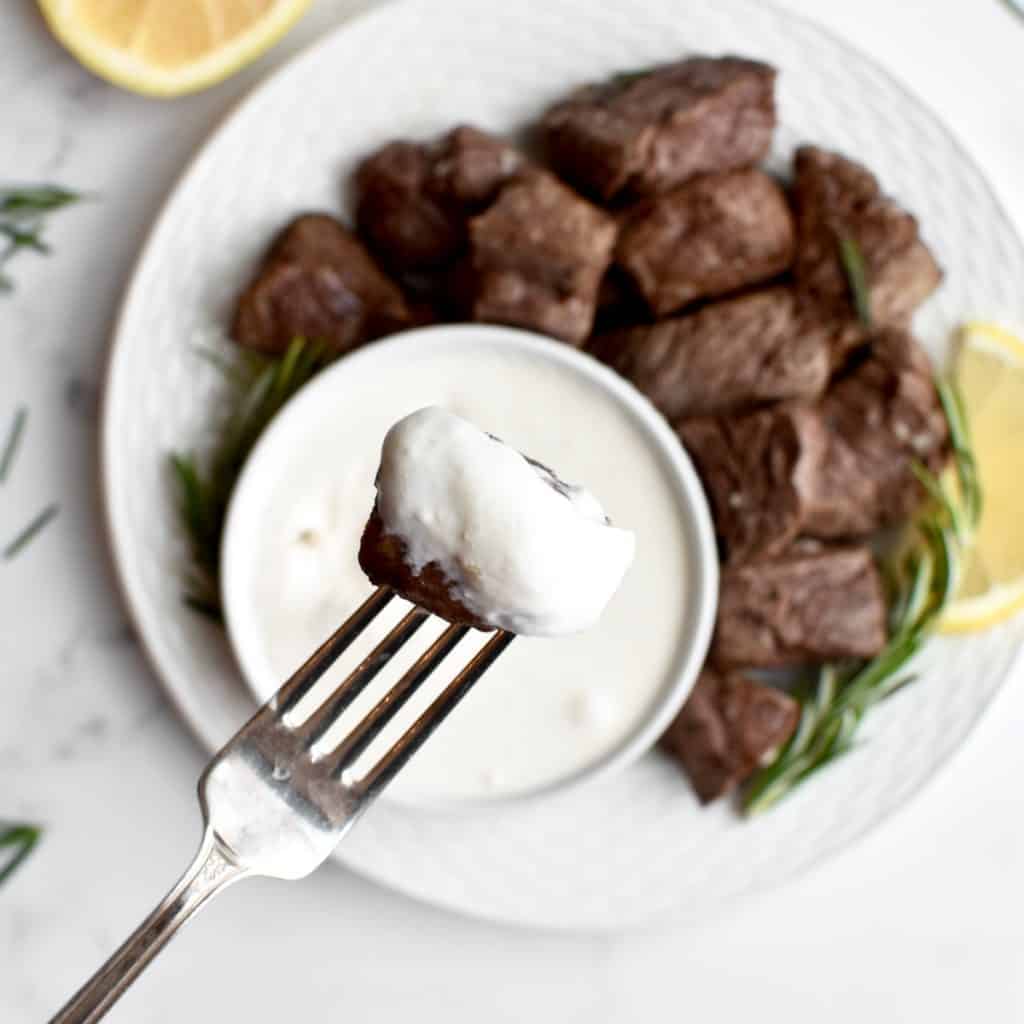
(552, 711)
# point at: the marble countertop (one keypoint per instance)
(920, 921)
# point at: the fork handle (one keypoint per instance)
(210, 872)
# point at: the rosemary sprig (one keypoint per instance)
(21, 839)
(204, 487)
(856, 277)
(23, 212)
(925, 571)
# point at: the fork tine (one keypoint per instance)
(304, 678)
(395, 699)
(314, 729)
(417, 733)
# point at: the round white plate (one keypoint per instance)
(636, 845)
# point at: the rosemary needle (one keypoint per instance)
(13, 439)
(857, 277)
(29, 533)
(23, 838)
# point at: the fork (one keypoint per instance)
(276, 800)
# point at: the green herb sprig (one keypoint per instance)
(856, 272)
(923, 575)
(204, 487)
(16, 843)
(23, 213)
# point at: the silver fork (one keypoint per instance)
(275, 802)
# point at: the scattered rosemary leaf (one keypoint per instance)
(29, 533)
(13, 439)
(31, 200)
(856, 277)
(925, 571)
(23, 212)
(21, 839)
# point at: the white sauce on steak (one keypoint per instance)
(522, 550)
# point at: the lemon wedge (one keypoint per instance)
(169, 47)
(990, 372)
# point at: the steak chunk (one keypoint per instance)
(759, 472)
(318, 282)
(413, 200)
(728, 356)
(537, 257)
(713, 235)
(881, 419)
(811, 604)
(729, 726)
(643, 134)
(837, 198)
(382, 556)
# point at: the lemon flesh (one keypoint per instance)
(169, 47)
(990, 373)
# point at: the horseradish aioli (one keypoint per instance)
(549, 707)
(521, 549)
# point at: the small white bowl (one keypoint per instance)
(370, 367)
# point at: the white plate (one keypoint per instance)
(636, 845)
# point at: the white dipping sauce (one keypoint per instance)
(521, 549)
(548, 707)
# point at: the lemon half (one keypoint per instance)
(169, 47)
(990, 372)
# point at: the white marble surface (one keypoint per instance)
(921, 921)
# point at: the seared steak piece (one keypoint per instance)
(728, 356)
(712, 235)
(811, 604)
(881, 419)
(318, 282)
(759, 472)
(729, 726)
(537, 257)
(413, 200)
(837, 198)
(382, 558)
(643, 134)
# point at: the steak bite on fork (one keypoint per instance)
(472, 530)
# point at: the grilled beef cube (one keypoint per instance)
(538, 254)
(413, 200)
(638, 135)
(881, 419)
(729, 726)
(382, 556)
(318, 282)
(713, 235)
(837, 198)
(759, 472)
(728, 356)
(811, 604)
